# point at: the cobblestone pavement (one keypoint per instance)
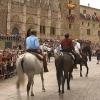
(82, 88)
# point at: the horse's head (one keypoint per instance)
(42, 49)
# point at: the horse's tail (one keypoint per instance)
(61, 77)
(20, 71)
(60, 71)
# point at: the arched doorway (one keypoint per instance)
(28, 33)
(15, 31)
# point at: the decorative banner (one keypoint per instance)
(71, 17)
(99, 18)
(86, 16)
(70, 5)
(94, 17)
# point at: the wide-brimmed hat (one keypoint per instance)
(33, 31)
(76, 39)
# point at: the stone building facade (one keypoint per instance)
(90, 23)
(3, 16)
(51, 18)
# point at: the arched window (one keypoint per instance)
(15, 31)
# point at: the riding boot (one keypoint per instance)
(45, 64)
(45, 69)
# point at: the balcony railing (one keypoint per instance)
(85, 16)
(11, 38)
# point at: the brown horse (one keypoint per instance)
(64, 66)
(86, 48)
(82, 63)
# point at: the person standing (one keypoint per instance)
(98, 55)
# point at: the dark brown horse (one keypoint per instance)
(64, 66)
(86, 48)
(82, 63)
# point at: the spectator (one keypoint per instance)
(98, 55)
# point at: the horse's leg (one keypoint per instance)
(32, 94)
(28, 86)
(67, 76)
(49, 58)
(90, 56)
(42, 81)
(63, 82)
(87, 69)
(17, 84)
(81, 70)
(71, 75)
(59, 81)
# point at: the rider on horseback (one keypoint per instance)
(32, 45)
(78, 49)
(67, 46)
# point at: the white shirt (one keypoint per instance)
(45, 48)
(49, 49)
(59, 48)
(77, 47)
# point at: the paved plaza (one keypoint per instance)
(82, 88)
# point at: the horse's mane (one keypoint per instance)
(42, 48)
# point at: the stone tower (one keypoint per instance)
(3, 16)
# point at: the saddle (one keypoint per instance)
(72, 56)
(40, 57)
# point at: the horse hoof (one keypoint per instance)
(61, 96)
(62, 92)
(71, 77)
(32, 94)
(43, 90)
(81, 76)
(68, 88)
(86, 75)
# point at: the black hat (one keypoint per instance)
(67, 35)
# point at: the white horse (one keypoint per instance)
(30, 65)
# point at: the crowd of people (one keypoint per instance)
(8, 59)
(13, 37)
(8, 56)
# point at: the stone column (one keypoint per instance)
(24, 31)
(48, 24)
(9, 18)
(58, 26)
(38, 22)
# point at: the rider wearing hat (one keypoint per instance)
(32, 45)
(67, 46)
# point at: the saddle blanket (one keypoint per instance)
(70, 54)
(39, 56)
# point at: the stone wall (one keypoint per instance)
(3, 17)
(53, 14)
(29, 14)
(93, 25)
